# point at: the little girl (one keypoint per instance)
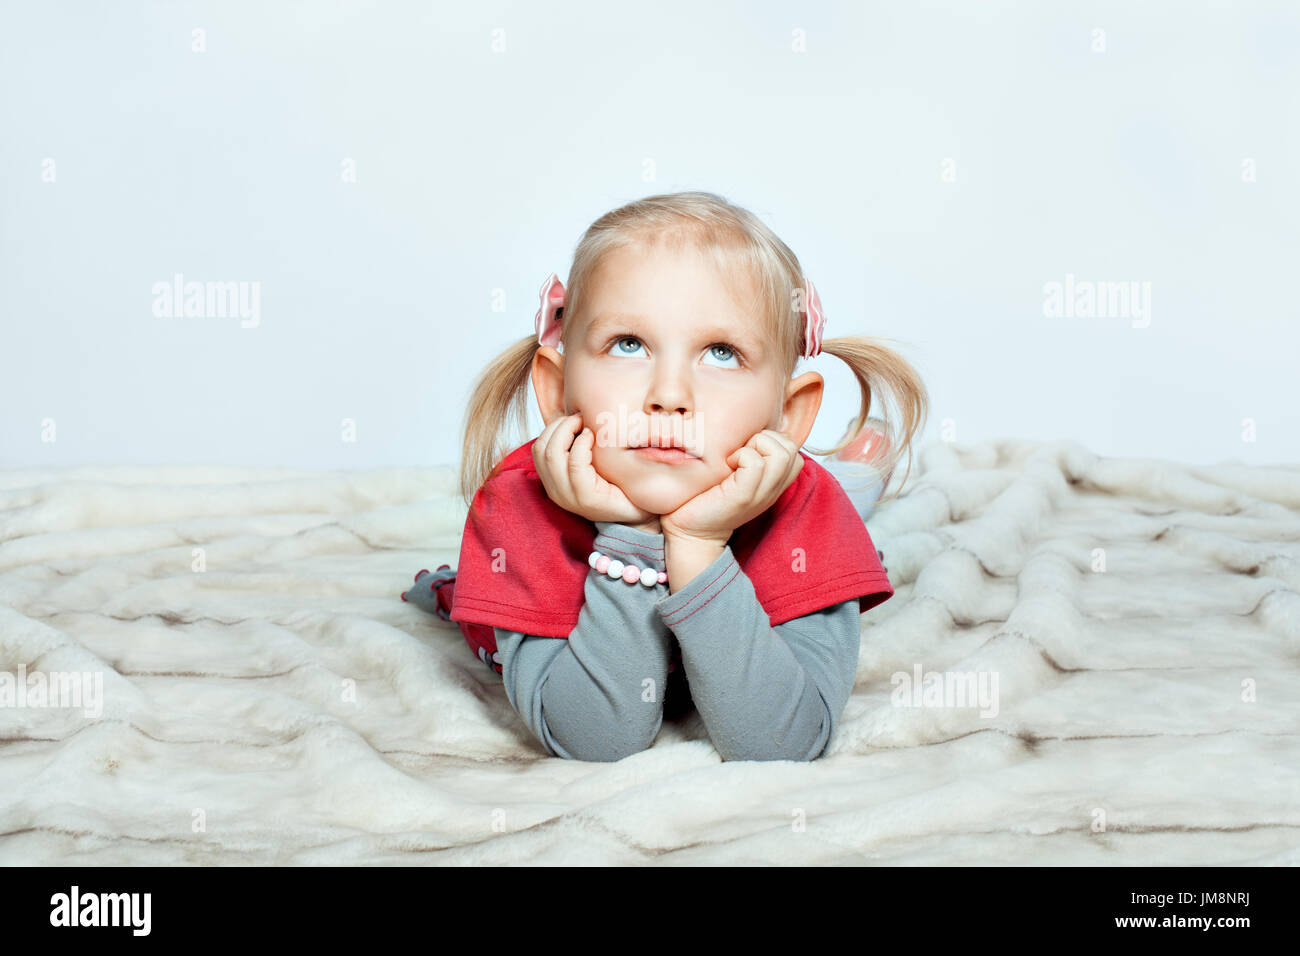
(664, 542)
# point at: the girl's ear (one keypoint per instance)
(803, 399)
(548, 383)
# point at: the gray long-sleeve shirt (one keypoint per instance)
(764, 693)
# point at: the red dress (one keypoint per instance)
(523, 558)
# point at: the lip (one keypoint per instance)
(668, 456)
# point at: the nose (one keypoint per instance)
(670, 389)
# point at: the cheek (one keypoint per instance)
(606, 459)
(597, 411)
(606, 385)
(734, 429)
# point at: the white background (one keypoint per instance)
(477, 171)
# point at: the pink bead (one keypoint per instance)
(602, 563)
(631, 574)
(663, 577)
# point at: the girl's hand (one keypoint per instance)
(766, 466)
(564, 465)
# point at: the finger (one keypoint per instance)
(792, 449)
(545, 439)
(752, 445)
(539, 457)
(761, 440)
(733, 458)
(580, 455)
(561, 456)
(556, 449)
(749, 472)
(543, 442)
(781, 460)
(785, 440)
(780, 439)
(555, 454)
(796, 458)
(770, 448)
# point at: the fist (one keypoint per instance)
(765, 467)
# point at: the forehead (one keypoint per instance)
(741, 333)
(646, 289)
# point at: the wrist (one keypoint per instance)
(630, 545)
(691, 542)
(685, 557)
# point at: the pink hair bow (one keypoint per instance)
(814, 321)
(548, 314)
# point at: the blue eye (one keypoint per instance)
(618, 345)
(730, 356)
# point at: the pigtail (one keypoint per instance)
(500, 396)
(883, 374)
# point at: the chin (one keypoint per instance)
(659, 494)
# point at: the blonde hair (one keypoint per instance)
(739, 243)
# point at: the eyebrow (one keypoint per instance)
(749, 344)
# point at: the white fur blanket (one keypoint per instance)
(267, 698)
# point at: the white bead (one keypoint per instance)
(649, 577)
(615, 569)
(593, 558)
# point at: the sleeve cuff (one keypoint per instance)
(704, 587)
(630, 545)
